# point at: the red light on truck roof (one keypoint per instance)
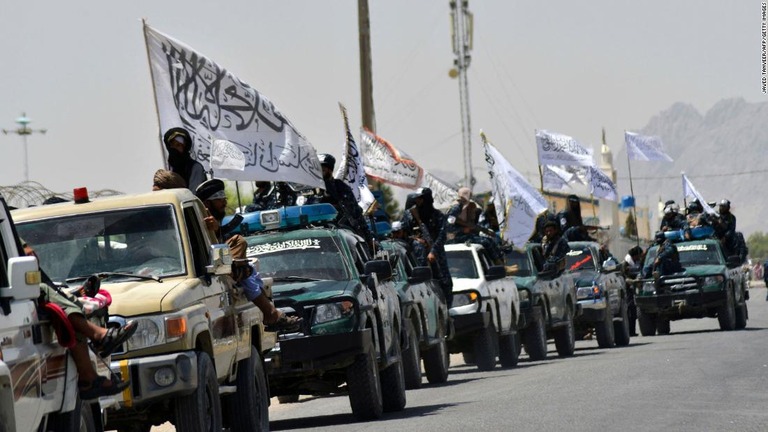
(81, 195)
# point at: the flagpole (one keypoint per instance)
(682, 177)
(632, 192)
(541, 171)
(154, 90)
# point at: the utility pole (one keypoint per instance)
(366, 75)
(24, 130)
(461, 32)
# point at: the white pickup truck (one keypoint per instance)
(38, 381)
(485, 308)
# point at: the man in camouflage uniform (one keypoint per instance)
(429, 246)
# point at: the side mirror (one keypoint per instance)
(419, 275)
(733, 261)
(381, 268)
(221, 260)
(496, 272)
(24, 277)
(610, 265)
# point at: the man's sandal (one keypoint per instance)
(95, 389)
(115, 337)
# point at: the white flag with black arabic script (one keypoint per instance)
(600, 185)
(197, 94)
(645, 148)
(689, 191)
(351, 169)
(387, 164)
(558, 149)
(556, 178)
(517, 202)
(443, 193)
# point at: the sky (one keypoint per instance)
(79, 70)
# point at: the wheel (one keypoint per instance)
(535, 336)
(508, 350)
(662, 325)
(604, 329)
(742, 314)
(201, 410)
(485, 348)
(647, 323)
(565, 337)
(79, 419)
(248, 407)
(436, 360)
(393, 381)
(726, 314)
(412, 358)
(288, 399)
(364, 387)
(469, 357)
(621, 328)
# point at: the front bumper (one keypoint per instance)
(302, 354)
(592, 310)
(141, 371)
(678, 301)
(470, 323)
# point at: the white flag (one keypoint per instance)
(226, 156)
(351, 169)
(601, 186)
(690, 192)
(645, 148)
(443, 192)
(559, 149)
(197, 94)
(385, 163)
(556, 178)
(517, 202)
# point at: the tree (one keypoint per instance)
(758, 245)
(630, 226)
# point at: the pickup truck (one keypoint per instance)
(350, 339)
(485, 309)
(196, 357)
(601, 292)
(38, 382)
(425, 317)
(711, 285)
(547, 303)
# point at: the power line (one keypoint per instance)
(672, 177)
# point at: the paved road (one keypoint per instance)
(696, 379)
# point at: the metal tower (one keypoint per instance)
(24, 130)
(461, 32)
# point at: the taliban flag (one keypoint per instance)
(236, 131)
(351, 169)
(443, 193)
(558, 149)
(517, 202)
(645, 148)
(689, 191)
(387, 164)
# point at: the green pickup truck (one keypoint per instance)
(350, 339)
(711, 285)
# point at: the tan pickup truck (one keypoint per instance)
(196, 359)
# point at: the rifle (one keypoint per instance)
(422, 228)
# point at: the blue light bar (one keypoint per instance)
(284, 218)
(697, 233)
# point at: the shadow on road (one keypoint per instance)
(343, 419)
(707, 331)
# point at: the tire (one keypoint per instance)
(485, 348)
(364, 387)
(742, 314)
(469, 357)
(663, 326)
(201, 410)
(393, 381)
(248, 408)
(288, 399)
(726, 314)
(412, 359)
(535, 336)
(606, 338)
(621, 328)
(647, 323)
(508, 350)
(565, 337)
(79, 419)
(436, 360)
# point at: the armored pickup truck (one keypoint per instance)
(196, 357)
(485, 308)
(350, 338)
(547, 303)
(711, 285)
(601, 292)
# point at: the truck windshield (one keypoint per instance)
(699, 254)
(519, 259)
(313, 258)
(142, 241)
(462, 264)
(579, 259)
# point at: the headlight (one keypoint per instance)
(588, 292)
(649, 288)
(332, 311)
(464, 299)
(713, 280)
(524, 294)
(148, 333)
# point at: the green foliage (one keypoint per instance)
(758, 245)
(630, 226)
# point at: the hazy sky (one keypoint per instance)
(79, 69)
